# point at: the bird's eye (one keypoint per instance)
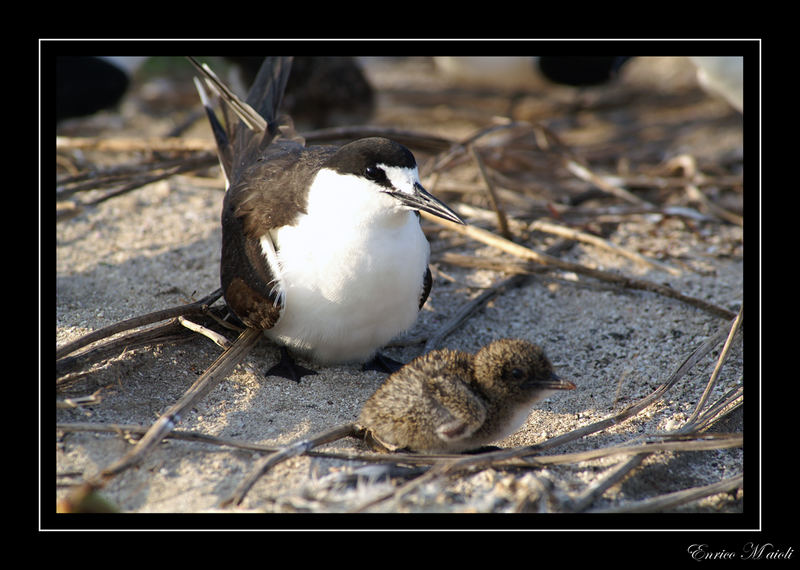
(375, 173)
(517, 374)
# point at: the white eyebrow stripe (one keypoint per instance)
(402, 177)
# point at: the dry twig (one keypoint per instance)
(135, 144)
(502, 221)
(298, 448)
(470, 308)
(523, 252)
(215, 373)
(672, 500)
(196, 308)
(714, 375)
(573, 234)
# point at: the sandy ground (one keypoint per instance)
(159, 246)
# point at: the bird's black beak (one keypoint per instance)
(421, 199)
(555, 383)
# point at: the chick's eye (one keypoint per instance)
(517, 374)
(374, 173)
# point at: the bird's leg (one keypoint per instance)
(288, 368)
(383, 363)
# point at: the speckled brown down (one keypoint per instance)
(448, 401)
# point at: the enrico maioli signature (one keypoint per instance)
(750, 551)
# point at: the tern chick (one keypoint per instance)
(448, 401)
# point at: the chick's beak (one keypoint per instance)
(555, 383)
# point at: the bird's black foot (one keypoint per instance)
(383, 363)
(288, 368)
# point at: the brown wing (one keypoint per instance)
(251, 209)
(249, 155)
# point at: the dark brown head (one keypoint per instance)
(516, 369)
